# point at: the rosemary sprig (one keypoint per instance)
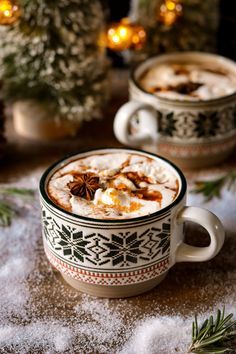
(213, 188)
(7, 211)
(214, 335)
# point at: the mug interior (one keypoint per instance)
(184, 58)
(65, 161)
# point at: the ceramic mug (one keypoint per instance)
(191, 133)
(121, 258)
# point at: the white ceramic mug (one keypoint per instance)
(120, 258)
(193, 134)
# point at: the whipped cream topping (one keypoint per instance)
(191, 82)
(114, 186)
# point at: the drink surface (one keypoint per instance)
(114, 186)
(188, 82)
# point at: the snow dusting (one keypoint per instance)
(42, 314)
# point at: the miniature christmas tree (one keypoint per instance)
(51, 54)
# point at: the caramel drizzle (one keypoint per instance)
(144, 193)
(185, 88)
(141, 193)
(85, 185)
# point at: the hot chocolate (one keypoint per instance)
(191, 82)
(114, 186)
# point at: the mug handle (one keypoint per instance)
(187, 253)
(149, 133)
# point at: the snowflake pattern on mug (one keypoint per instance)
(118, 250)
(197, 125)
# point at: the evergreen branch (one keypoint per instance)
(7, 211)
(213, 188)
(213, 336)
(17, 192)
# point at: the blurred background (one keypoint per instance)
(223, 12)
(61, 63)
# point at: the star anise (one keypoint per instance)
(84, 185)
(186, 88)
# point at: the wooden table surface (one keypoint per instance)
(188, 288)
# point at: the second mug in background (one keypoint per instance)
(192, 133)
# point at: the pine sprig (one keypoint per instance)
(214, 335)
(7, 210)
(17, 192)
(6, 213)
(213, 188)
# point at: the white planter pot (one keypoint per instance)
(34, 120)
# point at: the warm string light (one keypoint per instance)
(170, 11)
(139, 37)
(125, 35)
(9, 12)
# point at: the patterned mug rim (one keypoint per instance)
(65, 160)
(175, 101)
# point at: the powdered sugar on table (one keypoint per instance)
(41, 314)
